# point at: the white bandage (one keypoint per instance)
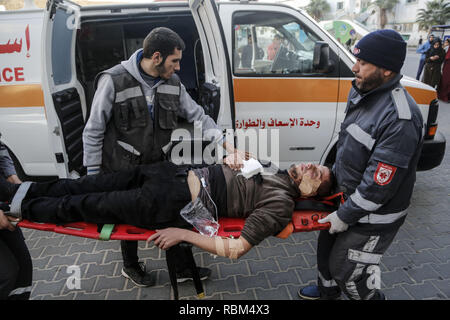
(308, 186)
(220, 247)
(235, 247)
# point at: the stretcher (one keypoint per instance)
(305, 218)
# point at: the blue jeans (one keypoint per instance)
(419, 71)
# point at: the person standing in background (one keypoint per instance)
(444, 85)
(433, 62)
(423, 50)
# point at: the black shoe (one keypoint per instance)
(378, 296)
(186, 274)
(139, 276)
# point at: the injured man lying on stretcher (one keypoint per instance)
(152, 197)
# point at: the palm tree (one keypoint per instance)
(317, 8)
(437, 12)
(385, 6)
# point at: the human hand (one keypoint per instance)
(14, 179)
(337, 225)
(166, 238)
(235, 160)
(7, 222)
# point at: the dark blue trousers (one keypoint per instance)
(16, 269)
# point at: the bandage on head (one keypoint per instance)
(309, 186)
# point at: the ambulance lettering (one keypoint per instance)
(10, 74)
(17, 46)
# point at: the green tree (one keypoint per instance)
(317, 9)
(436, 12)
(385, 6)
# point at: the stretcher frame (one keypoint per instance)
(305, 218)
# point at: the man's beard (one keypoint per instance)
(292, 171)
(371, 82)
(162, 70)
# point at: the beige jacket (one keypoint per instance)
(267, 206)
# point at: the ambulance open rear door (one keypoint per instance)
(217, 64)
(63, 94)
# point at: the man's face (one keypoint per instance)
(436, 45)
(170, 65)
(315, 174)
(367, 75)
(431, 39)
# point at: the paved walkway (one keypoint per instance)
(416, 266)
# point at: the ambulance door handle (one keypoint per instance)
(301, 148)
(56, 131)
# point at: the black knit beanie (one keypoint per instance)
(383, 48)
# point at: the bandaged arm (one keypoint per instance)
(225, 247)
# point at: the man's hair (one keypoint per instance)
(163, 40)
(328, 186)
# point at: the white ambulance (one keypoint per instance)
(249, 64)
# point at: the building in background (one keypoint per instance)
(401, 18)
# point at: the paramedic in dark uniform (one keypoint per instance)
(133, 114)
(377, 153)
(16, 269)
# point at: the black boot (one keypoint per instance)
(378, 296)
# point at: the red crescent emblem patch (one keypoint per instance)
(384, 173)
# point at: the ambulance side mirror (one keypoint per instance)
(321, 59)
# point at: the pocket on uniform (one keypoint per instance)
(122, 116)
(139, 113)
(388, 156)
(167, 113)
(364, 257)
(129, 155)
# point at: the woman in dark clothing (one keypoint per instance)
(433, 61)
(444, 86)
